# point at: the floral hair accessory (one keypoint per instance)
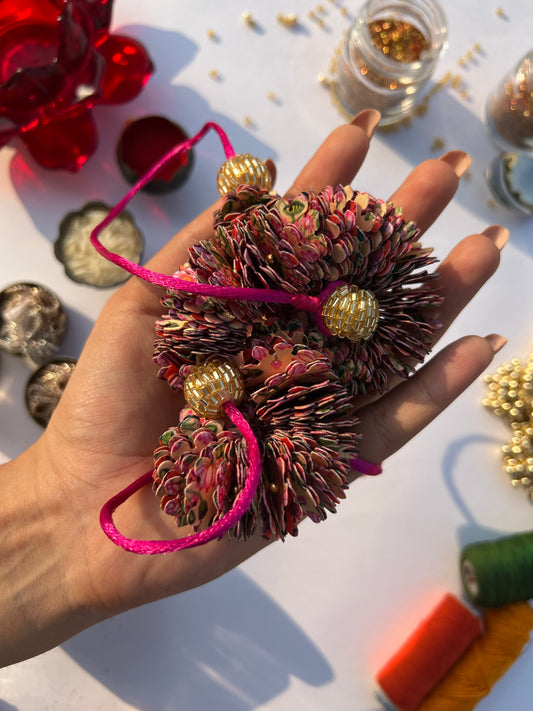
(58, 59)
(271, 327)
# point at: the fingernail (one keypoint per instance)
(458, 160)
(496, 341)
(368, 120)
(497, 234)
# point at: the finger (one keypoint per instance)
(461, 275)
(465, 270)
(429, 188)
(340, 156)
(388, 423)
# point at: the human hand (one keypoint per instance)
(66, 575)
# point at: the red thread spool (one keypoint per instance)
(427, 654)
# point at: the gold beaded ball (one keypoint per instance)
(210, 385)
(243, 169)
(350, 312)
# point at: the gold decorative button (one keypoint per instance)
(210, 385)
(243, 169)
(350, 312)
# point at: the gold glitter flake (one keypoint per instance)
(398, 39)
(214, 75)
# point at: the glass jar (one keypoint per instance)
(390, 52)
(509, 122)
(509, 109)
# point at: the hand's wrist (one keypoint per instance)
(38, 572)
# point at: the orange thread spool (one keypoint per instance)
(427, 654)
(472, 677)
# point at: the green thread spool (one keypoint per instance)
(496, 573)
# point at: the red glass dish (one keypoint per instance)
(57, 60)
(145, 141)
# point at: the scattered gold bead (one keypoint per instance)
(344, 11)
(214, 75)
(323, 80)
(211, 385)
(212, 35)
(350, 312)
(500, 12)
(289, 21)
(243, 169)
(249, 122)
(437, 144)
(248, 19)
(271, 96)
(509, 398)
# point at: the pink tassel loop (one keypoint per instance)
(241, 505)
(364, 467)
(299, 301)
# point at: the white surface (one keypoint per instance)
(305, 624)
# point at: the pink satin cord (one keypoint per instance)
(364, 467)
(304, 302)
(241, 505)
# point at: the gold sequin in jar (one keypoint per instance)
(212, 384)
(351, 313)
(390, 52)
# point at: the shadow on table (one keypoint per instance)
(471, 531)
(49, 195)
(4, 706)
(226, 645)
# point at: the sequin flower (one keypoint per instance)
(57, 60)
(298, 382)
(304, 420)
(301, 246)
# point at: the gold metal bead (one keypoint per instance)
(210, 385)
(243, 169)
(350, 312)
